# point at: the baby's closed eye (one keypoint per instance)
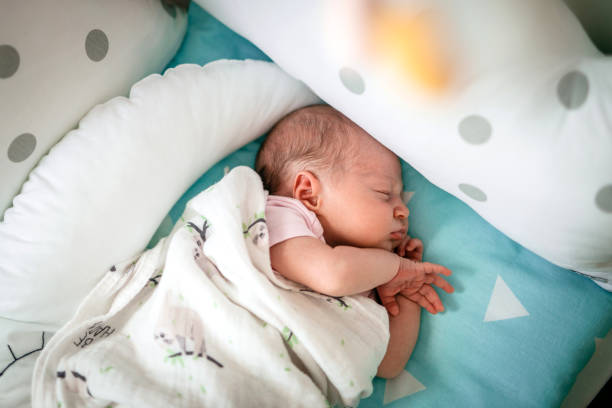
(383, 193)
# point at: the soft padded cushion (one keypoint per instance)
(103, 189)
(513, 119)
(206, 40)
(57, 60)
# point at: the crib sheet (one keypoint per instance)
(517, 331)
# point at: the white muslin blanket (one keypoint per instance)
(202, 320)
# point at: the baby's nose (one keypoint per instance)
(401, 211)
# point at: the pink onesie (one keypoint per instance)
(287, 218)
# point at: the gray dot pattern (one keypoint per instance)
(21, 147)
(603, 199)
(573, 89)
(475, 129)
(9, 61)
(96, 45)
(352, 80)
(473, 192)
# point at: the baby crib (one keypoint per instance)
(530, 322)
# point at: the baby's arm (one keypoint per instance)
(337, 271)
(403, 330)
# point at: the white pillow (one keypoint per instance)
(57, 60)
(99, 195)
(515, 122)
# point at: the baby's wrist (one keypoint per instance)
(399, 261)
(402, 262)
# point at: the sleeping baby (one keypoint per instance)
(337, 222)
(205, 304)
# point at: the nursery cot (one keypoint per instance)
(530, 323)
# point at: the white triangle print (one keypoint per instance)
(593, 376)
(401, 386)
(503, 304)
(407, 196)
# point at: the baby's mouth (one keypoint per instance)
(397, 235)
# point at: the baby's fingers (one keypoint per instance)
(401, 249)
(413, 244)
(431, 268)
(430, 294)
(387, 298)
(442, 284)
(413, 250)
(390, 304)
(422, 301)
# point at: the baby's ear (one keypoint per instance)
(306, 188)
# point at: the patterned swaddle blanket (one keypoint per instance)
(202, 320)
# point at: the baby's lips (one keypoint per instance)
(397, 235)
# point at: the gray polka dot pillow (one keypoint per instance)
(57, 61)
(507, 105)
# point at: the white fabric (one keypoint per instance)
(100, 194)
(520, 131)
(21, 345)
(202, 320)
(60, 58)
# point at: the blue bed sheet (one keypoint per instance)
(518, 329)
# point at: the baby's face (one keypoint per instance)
(364, 207)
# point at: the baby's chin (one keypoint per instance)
(390, 245)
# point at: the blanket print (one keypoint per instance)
(201, 319)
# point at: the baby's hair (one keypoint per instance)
(315, 138)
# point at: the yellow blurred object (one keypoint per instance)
(409, 45)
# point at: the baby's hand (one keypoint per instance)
(411, 248)
(414, 280)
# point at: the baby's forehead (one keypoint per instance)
(382, 172)
(372, 154)
(376, 174)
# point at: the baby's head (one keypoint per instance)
(337, 170)
(316, 138)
